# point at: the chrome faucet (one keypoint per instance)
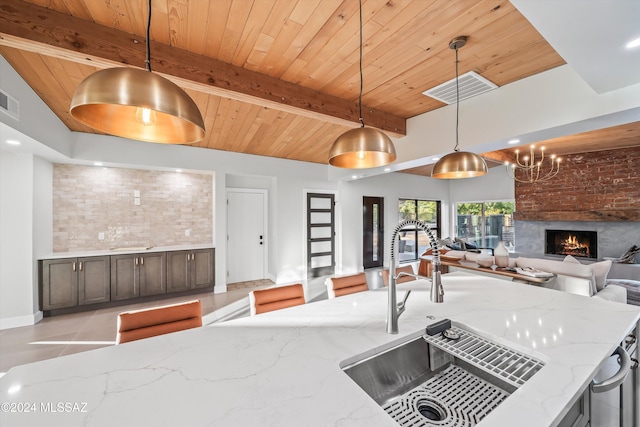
(395, 309)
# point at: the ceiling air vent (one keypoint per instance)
(471, 84)
(9, 105)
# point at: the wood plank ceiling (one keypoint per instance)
(276, 78)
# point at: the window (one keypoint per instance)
(484, 224)
(427, 211)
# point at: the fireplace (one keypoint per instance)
(576, 243)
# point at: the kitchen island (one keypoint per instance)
(283, 368)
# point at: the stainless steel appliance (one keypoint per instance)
(615, 391)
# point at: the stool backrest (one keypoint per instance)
(339, 286)
(150, 322)
(264, 300)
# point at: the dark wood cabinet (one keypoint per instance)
(135, 275)
(190, 269)
(93, 280)
(59, 284)
(125, 283)
(70, 282)
(153, 274)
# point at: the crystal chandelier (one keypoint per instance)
(531, 169)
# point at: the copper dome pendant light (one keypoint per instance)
(362, 147)
(137, 104)
(459, 164)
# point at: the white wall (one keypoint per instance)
(392, 187)
(494, 186)
(16, 245)
(546, 105)
(42, 216)
(28, 188)
(47, 126)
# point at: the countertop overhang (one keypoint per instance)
(125, 251)
(283, 368)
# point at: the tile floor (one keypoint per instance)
(73, 333)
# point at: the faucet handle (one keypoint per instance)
(401, 304)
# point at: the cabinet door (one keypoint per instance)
(124, 277)
(94, 282)
(201, 268)
(59, 283)
(153, 279)
(177, 271)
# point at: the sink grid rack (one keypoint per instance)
(451, 398)
(512, 366)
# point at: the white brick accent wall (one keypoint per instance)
(89, 200)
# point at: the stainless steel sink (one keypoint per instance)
(436, 381)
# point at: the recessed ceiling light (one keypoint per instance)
(178, 170)
(97, 163)
(633, 43)
(13, 142)
(387, 169)
(354, 176)
(514, 141)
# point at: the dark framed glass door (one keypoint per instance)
(372, 231)
(321, 258)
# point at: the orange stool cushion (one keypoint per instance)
(350, 284)
(278, 298)
(135, 325)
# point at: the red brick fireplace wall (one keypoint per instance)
(595, 186)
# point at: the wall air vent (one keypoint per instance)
(9, 105)
(471, 84)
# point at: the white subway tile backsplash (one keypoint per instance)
(89, 200)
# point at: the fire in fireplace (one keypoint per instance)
(576, 243)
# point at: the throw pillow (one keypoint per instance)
(461, 243)
(600, 271)
(569, 258)
(594, 282)
(449, 244)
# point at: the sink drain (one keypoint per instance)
(451, 398)
(430, 410)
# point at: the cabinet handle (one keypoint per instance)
(73, 267)
(141, 260)
(80, 265)
(136, 258)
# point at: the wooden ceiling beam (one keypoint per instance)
(37, 29)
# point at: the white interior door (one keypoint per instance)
(246, 235)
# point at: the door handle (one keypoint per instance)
(136, 259)
(73, 267)
(80, 265)
(141, 260)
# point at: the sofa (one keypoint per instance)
(571, 275)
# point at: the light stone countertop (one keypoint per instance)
(283, 368)
(124, 251)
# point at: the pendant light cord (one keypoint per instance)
(457, 102)
(147, 61)
(360, 97)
